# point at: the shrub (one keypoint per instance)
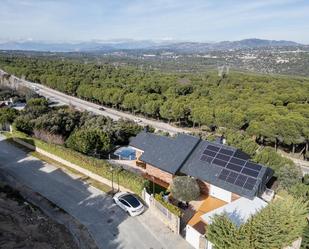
(48, 137)
(7, 115)
(305, 238)
(306, 179)
(268, 156)
(36, 106)
(223, 233)
(127, 179)
(276, 226)
(173, 209)
(289, 175)
(59, 122)
(185, 188)
(24, 123)
(90, 142)
(300, 190)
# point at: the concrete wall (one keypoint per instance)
(171, 220)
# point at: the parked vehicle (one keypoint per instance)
(129, 203)
(137, 120)
(102, 109)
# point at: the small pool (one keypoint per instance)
(126, 153)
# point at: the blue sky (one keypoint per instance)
(189, 20)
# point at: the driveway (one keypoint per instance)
(108, 224)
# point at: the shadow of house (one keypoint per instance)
(96, 211)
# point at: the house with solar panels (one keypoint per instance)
(228, 179)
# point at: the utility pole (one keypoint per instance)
(112, 171)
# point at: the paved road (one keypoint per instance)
(91, 107)
(108, 224)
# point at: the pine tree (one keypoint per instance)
(223, 233)
(276, 226)
(305, 238)
(279, 224)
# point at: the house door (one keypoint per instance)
(220, 193)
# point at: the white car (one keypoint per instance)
(129, 203)
(137, 120)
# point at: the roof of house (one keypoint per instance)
(239, 211)
(191, 156)
(209, 171)
(163, 152)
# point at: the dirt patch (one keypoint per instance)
(22, 225)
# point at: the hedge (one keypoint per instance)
(173, 209)
(100, 167)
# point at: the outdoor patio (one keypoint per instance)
(201, 206)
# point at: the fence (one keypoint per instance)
(171, 220)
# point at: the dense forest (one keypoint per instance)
(274, 109)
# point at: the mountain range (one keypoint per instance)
(144, 45)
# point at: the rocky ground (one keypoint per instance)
(22, 225)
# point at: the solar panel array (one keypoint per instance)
(235, 170)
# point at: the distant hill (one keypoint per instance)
(228, 45)
(74, 47)
(144, 44)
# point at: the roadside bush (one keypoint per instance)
(48, 137)
(24, 123)
(173, 209)
(93, 142)
(36, 106)
(127, 179)
(7, 115)
(59, 122)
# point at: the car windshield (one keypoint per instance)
(131, 200)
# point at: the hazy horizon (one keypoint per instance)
(176, 20)
(120, 40)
